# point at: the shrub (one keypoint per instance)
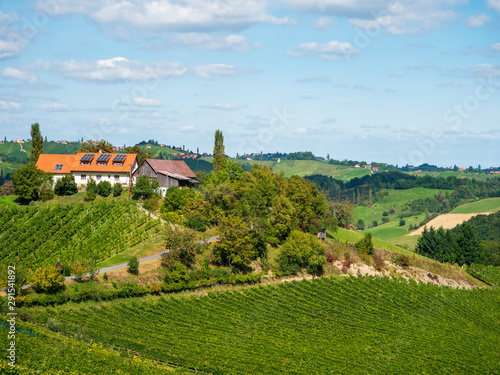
(330, 258)
(301, 250)
(105, 276)
(365, 245)
(45, 191)
(197, 224)
(403, 261)
(378, 263)
(90, 196)
(361, 224)
(385, 213)
(79, 270)
(177, 273)
(53, 324)
(385, 220)
(104, 189)
(133, 266)
(117, 189)
(402, 222)
(375, 223)
(182, 246)
(153, 203)
(66, 186)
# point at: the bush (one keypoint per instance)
(105, 276)
(385, 213)
(365, 245)
(385, 220)
(402, 223)
(177, 273)
(104, 189)
(53, 324)
(117, 189)
(133, 266)
(301, 250)
(91, 186)
(90, 196)
(330, 258)
(361, 224)
(197, 224)
(66, 186)
(153, 203)
(45, 192)
(375, 223)
(403, 261)
(378, 263)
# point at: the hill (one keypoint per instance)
(309, 167)
(358, 325)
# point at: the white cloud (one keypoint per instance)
(233, 42)
(20, 75)
(9, 106)
(496, 47)
(225, 106)
(320, 79)
(452, 84)
(192, 15)
(118, 69)
(478, 20)
(398, 75)
(323, 23)
(495, 4)
(333, 50)
(12, 41)
(487, 70)
(188, 129)
(301, 131)
(146, 102)
(208, 71)
(56, 107)
(375, 126)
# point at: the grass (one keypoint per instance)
(458, 174)
(8, 200)
(483, 205)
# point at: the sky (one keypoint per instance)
(401, 82)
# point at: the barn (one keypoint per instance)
(168, 173)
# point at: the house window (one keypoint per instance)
(109, 176)
(117, 177)
(58, 167)
(98, 177)
(83, 177)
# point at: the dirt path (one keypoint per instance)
(447, 221)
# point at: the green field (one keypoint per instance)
(457, 174)
(394, 198)
(310, 167)
(155, 150)
(484, 205)
(350, 325)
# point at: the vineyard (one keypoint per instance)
(40, 351)
(488, 274)
(34, 236)
(328, 325)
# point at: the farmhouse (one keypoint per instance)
(114, 168)
(168, 173)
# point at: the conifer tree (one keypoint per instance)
(36, 143)
(219, 153)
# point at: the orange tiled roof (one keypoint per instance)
(71, 163)
(48, 162)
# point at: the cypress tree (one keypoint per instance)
(36, 143)
(219, 153)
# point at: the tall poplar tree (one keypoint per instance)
(36, 143)
(219, 153)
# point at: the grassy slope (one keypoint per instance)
(483, 205)
(155, 150)
(310, 167)
(458, 174)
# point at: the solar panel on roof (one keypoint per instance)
(103, 157)
(120, 158)
(87, 157)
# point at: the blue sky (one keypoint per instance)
(407, 81)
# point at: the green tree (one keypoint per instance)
(365, 245)
(97, 146)
(177, 198)
(182, 245)
(301, 250)
(36, 143)
(45, 191)
(133, 266)
(141, 154)
(145, 188)
(117, 189)
(91, 190)
(234, 248)
(27, 181)
(309, 203)
(66, 185)
(104, 188)
(47, 279)
(219, 162)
